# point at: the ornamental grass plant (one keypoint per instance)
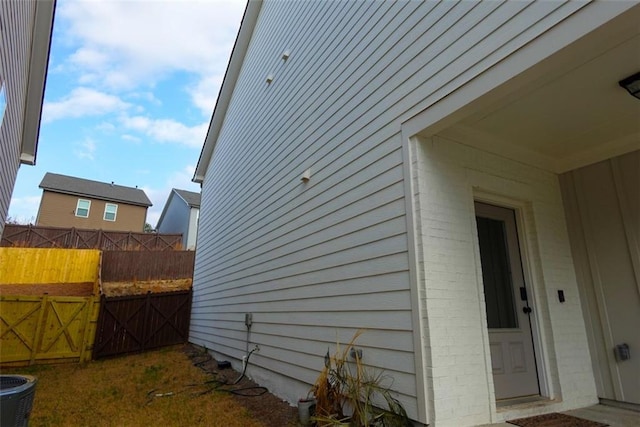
(349, 393)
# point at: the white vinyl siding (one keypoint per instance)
(83, 207)
(175, 218)
(110, 212)
(316, 261)
(25, 30)
(603, 212)
(17, 19)
(192, 231)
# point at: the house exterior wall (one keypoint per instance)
(176, 219)
(58, 210)
(192, 234)
(449, 176)
(15, 40)
(603, 216)
(315, 261)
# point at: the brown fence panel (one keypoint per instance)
(56, 237)
(127, 266)
(138, 323)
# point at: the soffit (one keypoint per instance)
(574, 117)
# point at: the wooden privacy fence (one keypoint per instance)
(125, 266)
(141, 322)
(60, 272)
(56, 237)
(46, 329)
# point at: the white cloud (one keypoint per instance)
(180, 179)
(205, 91)
(86, 149)
(130, 138)
(148, 96)
(89, 58)
(22, 209)
(81, 102)
(121, 45)
(167, 130)
(106, 127)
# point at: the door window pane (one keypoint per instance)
(496, 274)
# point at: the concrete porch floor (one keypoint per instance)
(614, 416)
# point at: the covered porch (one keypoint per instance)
(554, 150)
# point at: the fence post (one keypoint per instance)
(97, 346)
(85, 339)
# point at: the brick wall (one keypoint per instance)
(447, 177)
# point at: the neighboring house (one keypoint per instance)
(180, 215)
(68, 201)
(410, 168)
(25, 37)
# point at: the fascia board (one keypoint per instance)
(38, 64)
(228, 85)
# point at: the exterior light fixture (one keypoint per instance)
(632, 84)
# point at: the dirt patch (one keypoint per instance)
(116, 289)
(262, 405)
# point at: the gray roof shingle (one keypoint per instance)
(98, 190)
(192, 199)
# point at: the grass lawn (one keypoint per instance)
(159, 388)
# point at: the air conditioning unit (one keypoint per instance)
(16, 399)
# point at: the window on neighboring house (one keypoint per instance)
(110, 211)
(82, 210)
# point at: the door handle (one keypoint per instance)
(526, 310)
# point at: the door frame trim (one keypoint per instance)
(523, 216)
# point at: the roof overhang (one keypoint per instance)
(228, 85)
(561, 113)
(37, 75)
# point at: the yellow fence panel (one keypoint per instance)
(19, 323)
(46, 329)
(51, 265)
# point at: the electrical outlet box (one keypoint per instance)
(622, 352)
(356, 353)
(248, 319)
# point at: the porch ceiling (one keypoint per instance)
(573, 116)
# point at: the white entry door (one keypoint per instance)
(508, 310)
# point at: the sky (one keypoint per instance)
(130, 90)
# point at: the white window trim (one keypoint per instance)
(115, 212)
(88, 208)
